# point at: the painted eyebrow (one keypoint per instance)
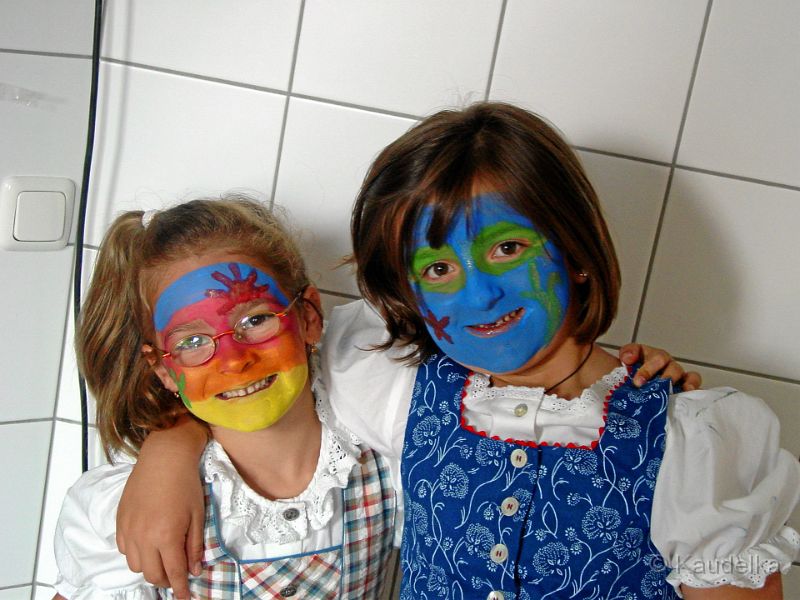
(504, 228)
(190, 327)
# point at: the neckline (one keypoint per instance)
(538, 392)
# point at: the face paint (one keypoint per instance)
(496, 292)
(242, 386)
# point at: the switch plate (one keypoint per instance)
(36, 212)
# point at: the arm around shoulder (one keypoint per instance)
(724, 493)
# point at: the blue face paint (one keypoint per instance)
(205, 282)
(496, 292)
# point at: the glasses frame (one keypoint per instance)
(232, 332)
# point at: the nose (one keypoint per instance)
(234, 357)
(483, 290)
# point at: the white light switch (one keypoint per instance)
(35, 212)
(39, 216)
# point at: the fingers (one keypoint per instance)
(691, 381)
(174, 561)
(194, 542)
(630, 353)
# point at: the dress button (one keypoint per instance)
(519, 458)
(496, 595)
(499, 553)
(520, 410)
(509, 506)
(288, 591)
(290, 514)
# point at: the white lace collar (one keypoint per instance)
(527, 414)
(286, 520)
(480, 395)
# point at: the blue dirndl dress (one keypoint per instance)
(506, 519)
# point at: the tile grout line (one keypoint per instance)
(708, 365)
(670, 179)
(282, 136)
(500, 23)
(24, 421)
(44, 53)
(353, 105)
(339, 294)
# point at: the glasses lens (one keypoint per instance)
(193, 350)
(257, 328)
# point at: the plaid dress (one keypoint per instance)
(353, 569)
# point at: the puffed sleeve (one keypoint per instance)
(369, 390)
(89, 564)
(724, 492)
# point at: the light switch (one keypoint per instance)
(40, 216)
(35, 212)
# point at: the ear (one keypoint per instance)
(311, 313)
(158, 367)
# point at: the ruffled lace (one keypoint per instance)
(479, 391)
(749, 569)
(286, 520)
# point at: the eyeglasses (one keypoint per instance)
(256, 328)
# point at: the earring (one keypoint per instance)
(312, 348)
(583, 275)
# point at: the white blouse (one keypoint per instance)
(724, 490)
(251, 526)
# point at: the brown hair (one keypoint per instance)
(446, 159)
(116, 320)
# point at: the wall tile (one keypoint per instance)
(611, 75)
(52, 111)
(326, 153)
(164, 138)
(48, 25)
(17, 593)
(33, 326)
(631, 193)
(410, 56)
(28, 444)
(68, 404)
(744, 115)
(791, 583)
(723, 286)
(65, 469)
(252, 44)
(43, 592)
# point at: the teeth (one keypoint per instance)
(501, 321)
(250, 389)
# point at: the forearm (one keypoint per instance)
(184, 440)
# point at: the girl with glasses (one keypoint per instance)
(207, 308)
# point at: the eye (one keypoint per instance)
(508, 250)
(255, 321)
(257, 328)
(191, 343)
(439, 272)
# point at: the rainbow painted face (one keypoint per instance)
(259, 367)
(496, 292)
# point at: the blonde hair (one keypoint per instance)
(116, 320)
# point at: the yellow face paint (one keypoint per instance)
(254, 411)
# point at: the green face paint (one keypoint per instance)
(497, 233)
(426, 257)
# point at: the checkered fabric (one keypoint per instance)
(353, 570)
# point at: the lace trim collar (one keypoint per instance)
(479, 398)
(479, 393)
(286, 520)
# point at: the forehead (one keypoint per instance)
(477, 213)
(232, 283)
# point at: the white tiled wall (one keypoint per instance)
(292, 100)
